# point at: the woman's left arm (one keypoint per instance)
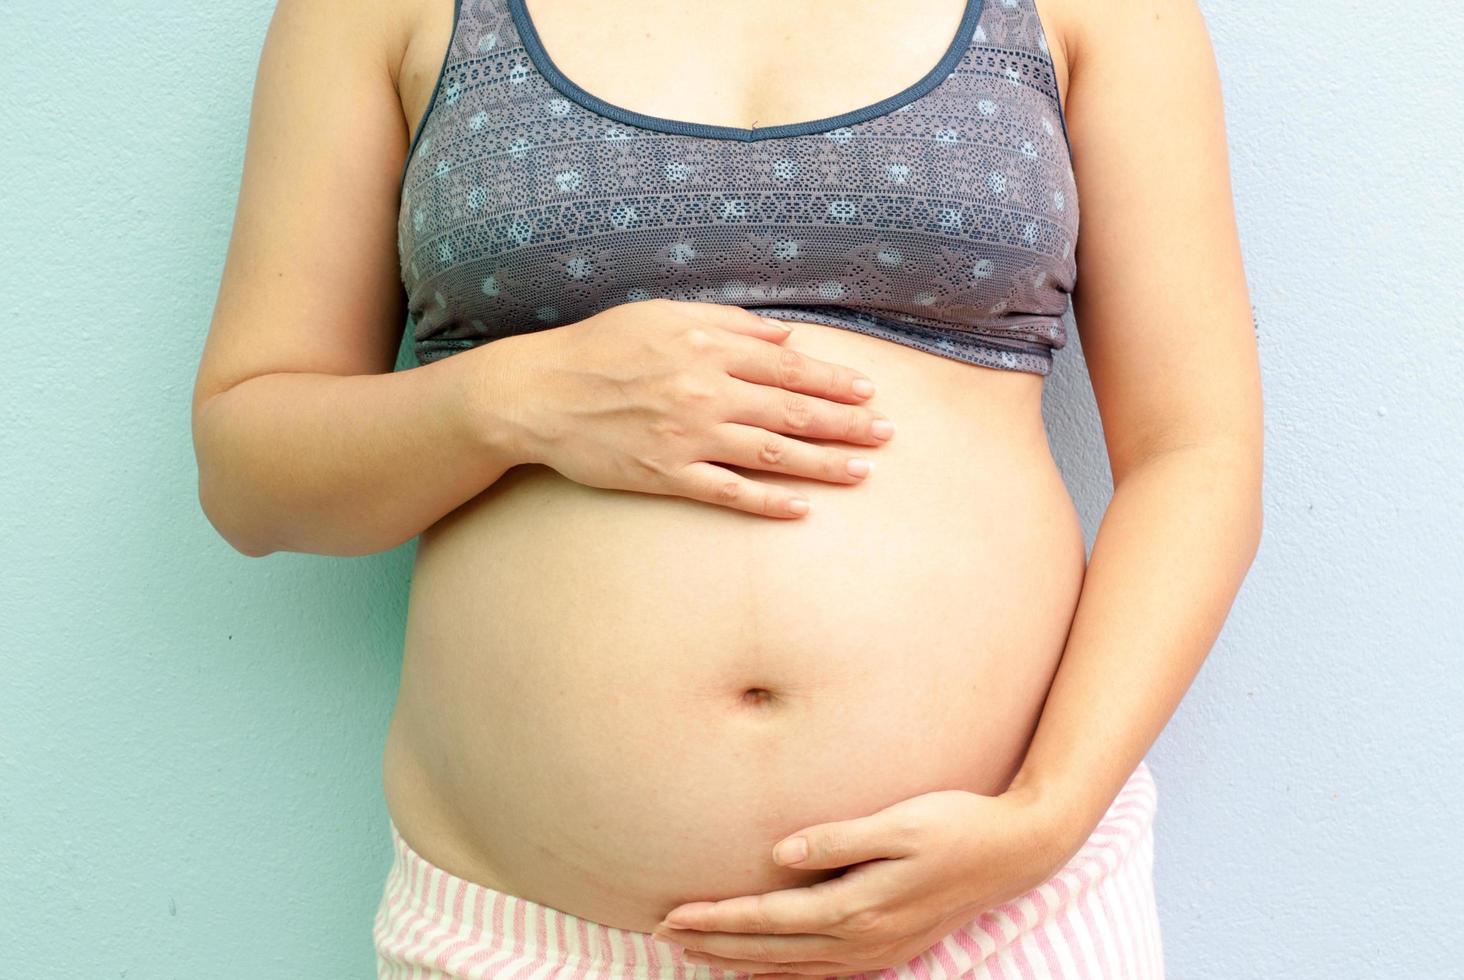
(1164, 315)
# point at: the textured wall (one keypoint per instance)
(190, 740)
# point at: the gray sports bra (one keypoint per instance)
(943, 217)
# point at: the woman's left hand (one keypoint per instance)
(922, 867)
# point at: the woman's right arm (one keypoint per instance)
(308, 441)
(305, 437)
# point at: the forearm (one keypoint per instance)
(351, 465)
(1173, 547)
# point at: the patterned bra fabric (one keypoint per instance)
(943, 218)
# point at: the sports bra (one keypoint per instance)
(943, 217)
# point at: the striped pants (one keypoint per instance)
(1094, 919)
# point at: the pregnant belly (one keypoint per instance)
(613, 703)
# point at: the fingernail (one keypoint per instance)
(882, 428)
(778, 323)
(799, 506)
(859, 467)
(863, 387)
(791, 851)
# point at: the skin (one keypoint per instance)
(1162, 310)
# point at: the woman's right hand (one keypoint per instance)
(652, 395)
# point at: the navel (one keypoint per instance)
(758, 697)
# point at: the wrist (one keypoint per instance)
(1058, 819)
(494, 381)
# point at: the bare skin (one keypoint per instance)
(871, 652)
(614, 703)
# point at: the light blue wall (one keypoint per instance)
(190, 740)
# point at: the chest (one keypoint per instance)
(923, 198)
(754, 63)
(748, 64)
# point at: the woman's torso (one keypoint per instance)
(613, 703)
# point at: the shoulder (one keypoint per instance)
(368, 32)
(1097, 26)
(384, 31)
(1107, 47)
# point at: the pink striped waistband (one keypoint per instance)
(434, 924)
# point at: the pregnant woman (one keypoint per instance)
(738, 521)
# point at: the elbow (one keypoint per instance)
(218, 514)
(219, 506)
(248, 551)
(1247, 485)
(1243, 471)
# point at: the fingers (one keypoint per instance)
(775, 400)
(759, 449)
(718, 485)
(782, 367)
(734, 318)
(807, 417)
(807, 389)
(806, 969)
(820, 909)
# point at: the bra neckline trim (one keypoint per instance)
(534, 46)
